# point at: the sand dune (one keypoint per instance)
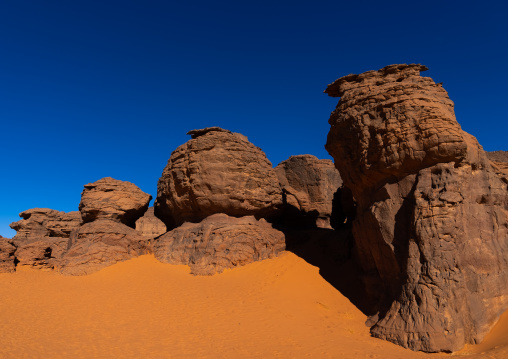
(279, 308)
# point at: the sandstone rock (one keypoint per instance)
(499, 160)
(7, 249)
(112, 199)
(216, 172)
(99, 244)
(150, 226)
(38, 223)
(43, 236)
(498, 156)
(431, 214)
(309, 185)
(43, 253)
(219, 242)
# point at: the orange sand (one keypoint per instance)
(279, 308)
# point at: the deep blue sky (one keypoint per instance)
(90, 89)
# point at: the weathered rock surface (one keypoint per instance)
(498, 156)
(119, 201)
(43, 236)
(431, 214)
(219, 242)
(38, 223)
(499, 160)
(99, 244)
(150, 226)
(309, 185)
(7, 250)
(216, 172)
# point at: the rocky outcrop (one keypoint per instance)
(99, 244)
(119, 201)
(308, 186)
(43, 236)
(219, 242)
(499, 160)
(150, 226)
(217, 171)
(498, 156)
(38, 223)
(7, 250)
(431, 222)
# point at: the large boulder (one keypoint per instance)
(99, 244)
(7, 250)
(217, 171)
(431, 224)
(43, 236)
(150, 226)
(219, 242)
(119, 201)
(308, 186)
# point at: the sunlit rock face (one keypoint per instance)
(43, 236)
(7, 250)
(217, 171)
(219, 242)
(112, 199)
(431, 228)
(150, 226)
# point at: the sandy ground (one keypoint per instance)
(279, 308)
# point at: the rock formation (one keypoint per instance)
(217, 171)
(6, 255)
(38, 223)
(43, 236)
(219, 242)
(99, 244)
(431, 214)
(112, 199)
(309, 185)
(499, 160)
(49, 239)
(150, 226)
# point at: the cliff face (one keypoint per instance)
(431, 227)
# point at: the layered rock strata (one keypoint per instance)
(217, 171)
(219, 242)
(431, 226)
(119, 201)
(308, 186)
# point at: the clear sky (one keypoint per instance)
(90, 89)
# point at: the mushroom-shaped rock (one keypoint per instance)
(99, 244)
(432, 214)
(219, 242)
(309, 185)
(119, 201)
(217, 171)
